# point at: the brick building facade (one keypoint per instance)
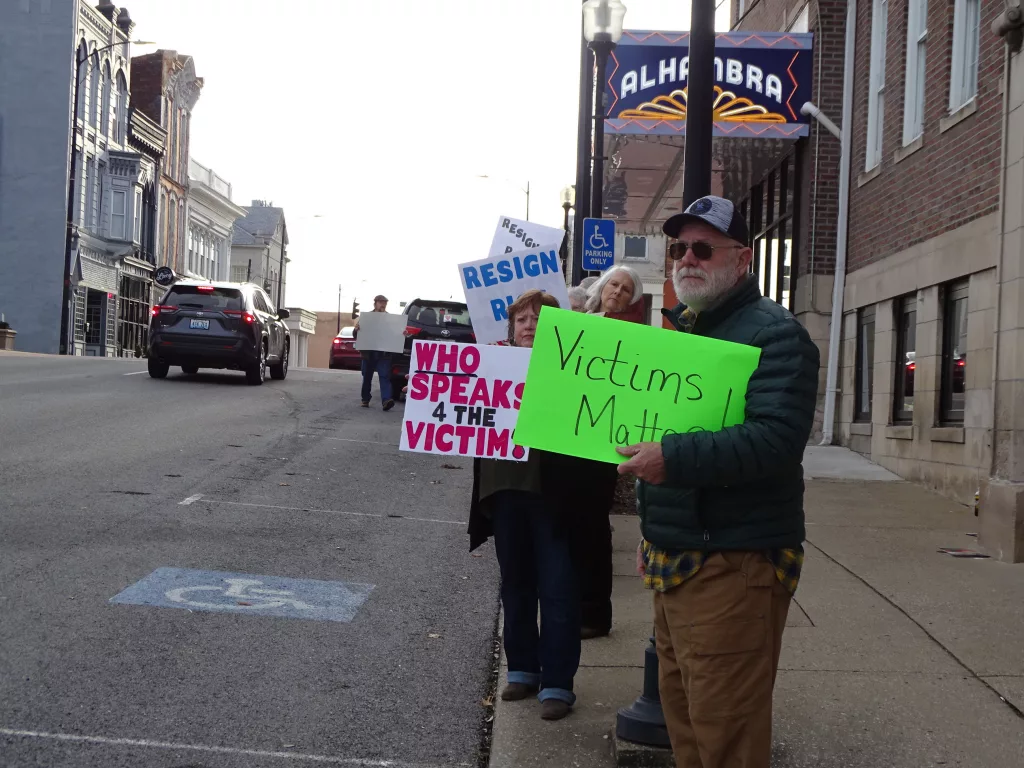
(930, 381)
(165, 88)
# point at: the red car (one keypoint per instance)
(344, 354)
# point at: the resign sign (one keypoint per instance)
(494, 283)
(464, 400)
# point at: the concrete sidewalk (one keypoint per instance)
(894, 655)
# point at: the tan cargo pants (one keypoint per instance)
(718, 636)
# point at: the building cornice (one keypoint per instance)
(217, 203)
(145, 131)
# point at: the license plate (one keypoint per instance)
(201, 324)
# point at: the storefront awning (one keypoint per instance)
(762, 81)
(644, 175)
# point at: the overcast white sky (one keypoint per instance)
(370, 121)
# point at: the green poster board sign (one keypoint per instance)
(595, 384)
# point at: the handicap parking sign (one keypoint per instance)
(598, 244)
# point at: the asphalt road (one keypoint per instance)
(107, 475)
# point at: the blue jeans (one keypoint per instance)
(536, 566)
(381, 365)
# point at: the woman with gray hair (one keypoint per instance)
(617, 294)
(578, 298)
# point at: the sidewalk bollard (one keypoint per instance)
(643, 722)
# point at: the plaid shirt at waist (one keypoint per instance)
(667, 569)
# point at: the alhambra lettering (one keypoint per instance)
(727, 71)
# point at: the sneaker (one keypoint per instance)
(364, 404)
(389, 404)
(554, 709)
(518, 691)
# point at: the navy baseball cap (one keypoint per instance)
(716, 212)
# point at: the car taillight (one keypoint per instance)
(337, 342)
(163, 310)
(249, 317)
(472, 337)
(205, 288)
(410, 331)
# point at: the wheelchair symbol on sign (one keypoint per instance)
(243, 594)
(597, 241)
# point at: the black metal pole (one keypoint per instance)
(583, 138)
(644, 722)
(65, 305)
(700, 100)
(602, 48)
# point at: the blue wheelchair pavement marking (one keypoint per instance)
(244, 593)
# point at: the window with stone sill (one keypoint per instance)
(118, 214)
(106, 126)
(953, 387)
(906, 359)
(913, 97)
(94, 91)
(864, 366)
(876, 85)
(963, 79)
(635, 248)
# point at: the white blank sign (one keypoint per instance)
(381, 332)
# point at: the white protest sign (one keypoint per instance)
(381, 332)
(517, 235)
(492, 284)
(464, 400)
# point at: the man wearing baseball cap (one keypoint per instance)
(376, 362)
(722, 512)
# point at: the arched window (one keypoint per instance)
(106, 126)
(82, 72)
(94, 91)
(121, 104)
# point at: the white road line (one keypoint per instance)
(329, 511)
(190, 500)
(298, 756)
(134, 373)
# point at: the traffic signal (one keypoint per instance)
(355, 309)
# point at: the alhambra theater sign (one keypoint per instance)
(761, 81)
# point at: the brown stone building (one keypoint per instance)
(320, 342)
(165, 88)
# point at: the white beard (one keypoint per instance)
(701, 294)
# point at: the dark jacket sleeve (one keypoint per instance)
(781, 398)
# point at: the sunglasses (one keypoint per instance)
(701, 251)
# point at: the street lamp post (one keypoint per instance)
(583, 153)
(65, 310)
(602, 28)
(509, 181)
(568, 199)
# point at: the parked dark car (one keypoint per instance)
(344, 354)
(218, 325)
(428, 320)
